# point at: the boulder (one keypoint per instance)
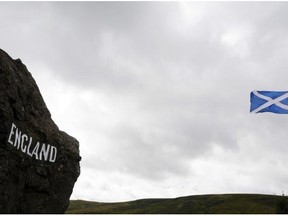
(39, 164)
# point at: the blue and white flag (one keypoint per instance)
(269, 101)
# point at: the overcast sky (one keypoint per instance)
(157, 93)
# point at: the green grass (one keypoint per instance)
(198, 204)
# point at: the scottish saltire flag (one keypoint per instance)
(269, 101)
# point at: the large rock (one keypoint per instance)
(39, 164)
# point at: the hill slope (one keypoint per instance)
(211, 204)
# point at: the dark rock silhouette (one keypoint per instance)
(39, 164)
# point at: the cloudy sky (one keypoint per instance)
(157, 93)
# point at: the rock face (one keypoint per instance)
(39, 164)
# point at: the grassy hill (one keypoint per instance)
(200, 204)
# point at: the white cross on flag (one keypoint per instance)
(269, 101)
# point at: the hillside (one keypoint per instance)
(200, 204)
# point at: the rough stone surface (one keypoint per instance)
(32, 179)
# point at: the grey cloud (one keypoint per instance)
(132, 153)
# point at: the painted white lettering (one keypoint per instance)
(53, 154)
(23, 147)
(35, 150)
(11, 133)
(44, 152)
(17, 138)
(28, 148)
(23, 142)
